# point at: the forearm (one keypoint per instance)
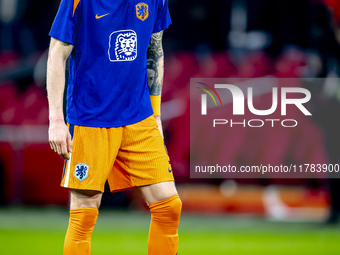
(156, 88)
(56, 65)
(155, 55)
(55, 87)
(59, 136)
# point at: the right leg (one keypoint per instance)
(91, 161)
(83, 216)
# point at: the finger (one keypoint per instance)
(62, 148)
(65, 156)
(54, 148)
(69, 142)
(58, 147)
(51, 145)
(64, 153)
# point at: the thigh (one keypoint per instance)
(159, 191)
(85, 199)
(142, 159)
(94, 151)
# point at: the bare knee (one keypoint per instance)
(85, 199)
(159, 191)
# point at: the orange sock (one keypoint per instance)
(78, 236)
(163, 235)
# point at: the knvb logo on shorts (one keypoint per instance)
(123, 45)
(81, 172)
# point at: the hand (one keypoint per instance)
(60, 138)
(159, 123)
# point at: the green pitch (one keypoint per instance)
(41, 232)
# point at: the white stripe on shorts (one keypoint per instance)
(68, 172)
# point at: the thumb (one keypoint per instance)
(69, 142)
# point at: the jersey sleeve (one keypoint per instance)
(163, 19)
(64, 25)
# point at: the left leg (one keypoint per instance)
(142, 161)
(165, 207)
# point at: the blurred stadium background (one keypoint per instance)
(220, 38)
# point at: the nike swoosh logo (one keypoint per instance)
(99, 17)
(169, 170)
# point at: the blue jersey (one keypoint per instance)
(108, 65)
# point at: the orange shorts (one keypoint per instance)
(128, 157)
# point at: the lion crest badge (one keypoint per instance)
(142, 11)
(123, 45)
(81, 172)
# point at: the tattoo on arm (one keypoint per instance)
(155, 64)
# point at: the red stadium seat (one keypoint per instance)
(289, 64)
(34, 107)
(256, 64)
(216, 65)
(8, 104)
(30, 108)
(8, 58)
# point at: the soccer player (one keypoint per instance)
(114, 129)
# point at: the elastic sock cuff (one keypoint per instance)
(162, 202)
(85, 210)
